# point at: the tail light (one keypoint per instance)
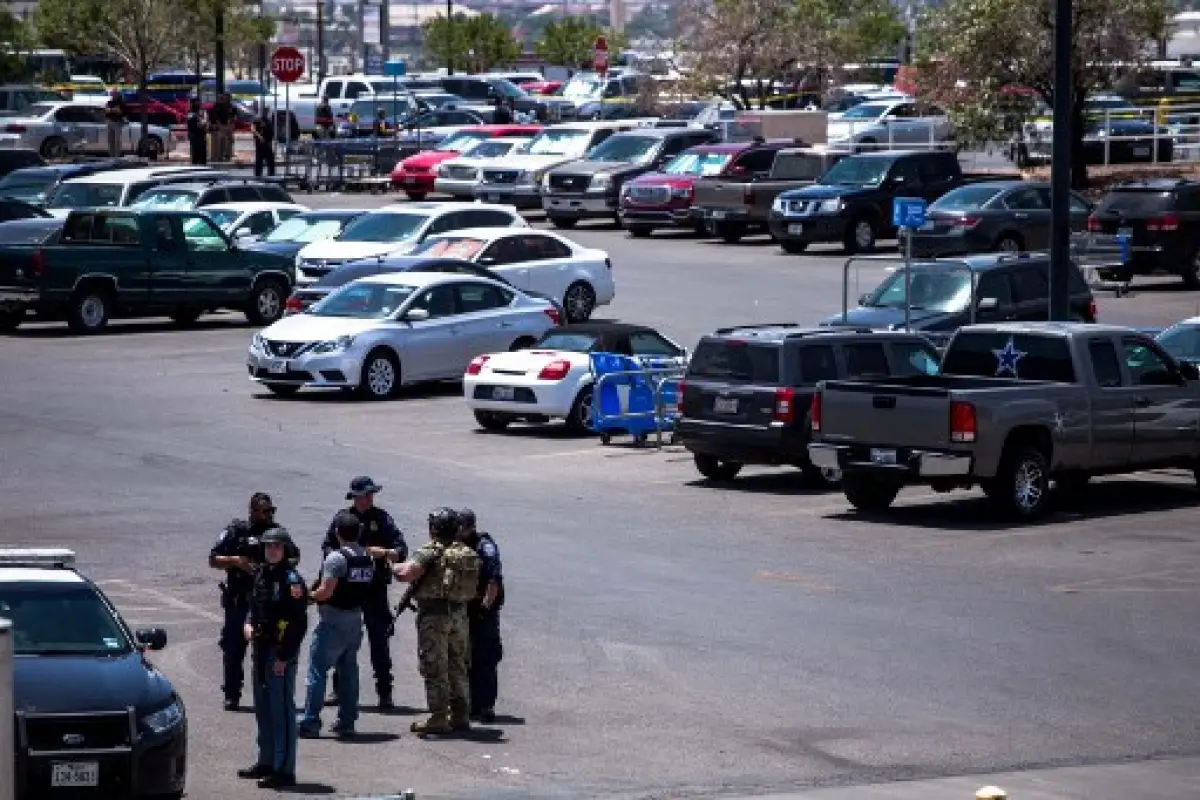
(1093, 224)
(38, 260)
(680, 388)
(476, 365)
(967, 223)
(1165, 223)
(555, 371)
(1092, 316)
(963, 424)
(293, 305)
(553, 314)
(748, 195)
(15, 129)
(814, 413)
(785, 405)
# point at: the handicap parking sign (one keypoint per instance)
(908, 212)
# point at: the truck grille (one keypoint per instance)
(461, 173)
(656, 195)
(798, 207)
(501, 175)
(569, 183)
(67, 733)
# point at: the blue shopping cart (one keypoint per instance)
(634, 396)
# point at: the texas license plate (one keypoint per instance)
(725, 405)
(717, 214)
(796, 229)
(503, 393)
(75, 774)
(277, 366)
(880, 456)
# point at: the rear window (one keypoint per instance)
(1136, 202)
(1001, 354)
(730, 360)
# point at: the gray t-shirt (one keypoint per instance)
(335, 567)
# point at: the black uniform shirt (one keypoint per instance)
(240, 538)
(379, 530)
(279, 613)
(490, 567)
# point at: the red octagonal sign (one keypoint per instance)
(287, 64)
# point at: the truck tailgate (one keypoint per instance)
(899, 416)
(716, 193)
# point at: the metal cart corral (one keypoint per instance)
(634, 396)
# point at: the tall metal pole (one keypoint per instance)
(8, 775)
(219, 48)
(1060, 164)
(449, 37)
(385, 31)
(320, 40)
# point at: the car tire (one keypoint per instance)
(282, 389)
(716, 469)
(793, 248)
(860, 236)
(185, 316)
(579, 420)
(11, 320)
(639, 231)
(90, 309)
(563, 223)
(1008, 243)
(416, 197)
(1191, 272)
(380, 377)
(491, 421)
(700, 227)
(869, 494)
(54, 147)
(266, 303)
(730, 232)
(579, 301)
(1021, 488)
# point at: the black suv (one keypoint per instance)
(1162, 219)
(196, 193)
(1008, 287)
(746, 394)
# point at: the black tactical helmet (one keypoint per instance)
(443, 523)
(466, 518)
(276, 534)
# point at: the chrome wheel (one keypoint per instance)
(864, 235)
(579, 302)
(269, 303)
(1028, 486)
(380, 376)
(92, 311)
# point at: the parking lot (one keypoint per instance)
(664, 636)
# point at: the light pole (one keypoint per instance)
(1060, 164)
(449, 37)
(320, 41)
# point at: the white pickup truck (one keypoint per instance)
(342, 91)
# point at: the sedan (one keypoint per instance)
(246, 220)
(578, 277)
(1009, 216)
(377, 334)
(58, 129)
(296, 233)
(1182, 340)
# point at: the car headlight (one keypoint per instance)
(830, 206)
(164, 719)
(258, 343)
(443, 172)
(334, 345)
(546, 182)
(601, 181)
(777, 206)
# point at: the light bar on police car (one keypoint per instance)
(37, 557)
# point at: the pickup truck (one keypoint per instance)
(852, 202)
(1016, 406)
(141, 262)
(734, 205)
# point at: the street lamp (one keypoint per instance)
(449, 37)
(1060, 164)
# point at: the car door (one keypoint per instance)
(1112, 407)
(1164, 415)
(215, 274)
(507, 258)
(549, 265)
(486, 321)
(993, 285)
(168, 262)
(256, 224)
(80, 126)
(1030, 213)
(431, 344)
(1031, 293)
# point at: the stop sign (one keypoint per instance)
(287, 64)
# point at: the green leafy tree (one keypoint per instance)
(474, 44)
(976, 52)
(17, 36)
(571, 42)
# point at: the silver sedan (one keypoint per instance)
(379, 333)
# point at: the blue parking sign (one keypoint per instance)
(395, 69)
(908, 212)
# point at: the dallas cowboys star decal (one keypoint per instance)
(1007, 358)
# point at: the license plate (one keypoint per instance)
(796, 229)
(1141, 151)
(492, 198)
(1126, 232)
(277, 366)
(503, 393)
(725, 405)
(885, 457)
(717, 214)
(75, 774)
(410, 178)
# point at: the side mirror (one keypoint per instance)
(865, 298)
(1189, 371)
(151, 638)
(416, 315)
(988, 304)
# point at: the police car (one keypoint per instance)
(94, 717)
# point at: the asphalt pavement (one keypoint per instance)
(664, 636)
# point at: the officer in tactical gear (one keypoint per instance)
(483, 614)
(238, 551)
(446, 574)
(384, 542)
(278, 622)
(343, 590)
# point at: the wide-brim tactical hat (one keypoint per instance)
(362, 485)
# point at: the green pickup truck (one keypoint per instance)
(111, 262)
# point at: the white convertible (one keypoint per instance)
(553, 379)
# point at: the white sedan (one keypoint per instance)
(553, 379)
(243, 220)
(578, 277)
(379, 333)
(459, 176)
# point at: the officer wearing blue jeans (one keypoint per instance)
(345, 582)
(278, 622)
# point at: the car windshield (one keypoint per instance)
(698, 164)
(1181, 341)
(61, 619)
(306, 229)
(86, 195)
(968, 197)
(363, 300)
(561, 142)
(866, 111)
(569, 342)
(168, 198)
(385, 227)
(222, 216)
(932, 290)
(461, 142)
(492, 148)
(625, 149)
(508, 89)
(857, 172)
(462, 247)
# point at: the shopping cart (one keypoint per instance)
(633, 396)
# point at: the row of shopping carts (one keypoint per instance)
(637, 397)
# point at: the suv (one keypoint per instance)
(747, 390)
(92, 714)
(489, 88)
(193, 194)
(1162, 218)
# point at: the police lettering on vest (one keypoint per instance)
(351, 591)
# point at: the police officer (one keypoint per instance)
(483, 614)
(503, 114)
(238, 551)
(385, 543)
(197, 133)
(278, 622)
(264, 144)
(446, 572)
(344, 587)
(324, 119)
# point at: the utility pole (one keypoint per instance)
(1060, 164)
(449, 37)
(320, 41)
(219, 48)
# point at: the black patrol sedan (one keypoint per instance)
(93, 716)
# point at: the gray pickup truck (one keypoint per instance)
(1016, 406)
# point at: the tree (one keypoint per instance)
(982, 52)
(472, 43)
(16, 35)
(571, 42)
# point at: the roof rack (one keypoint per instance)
(38, 557)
